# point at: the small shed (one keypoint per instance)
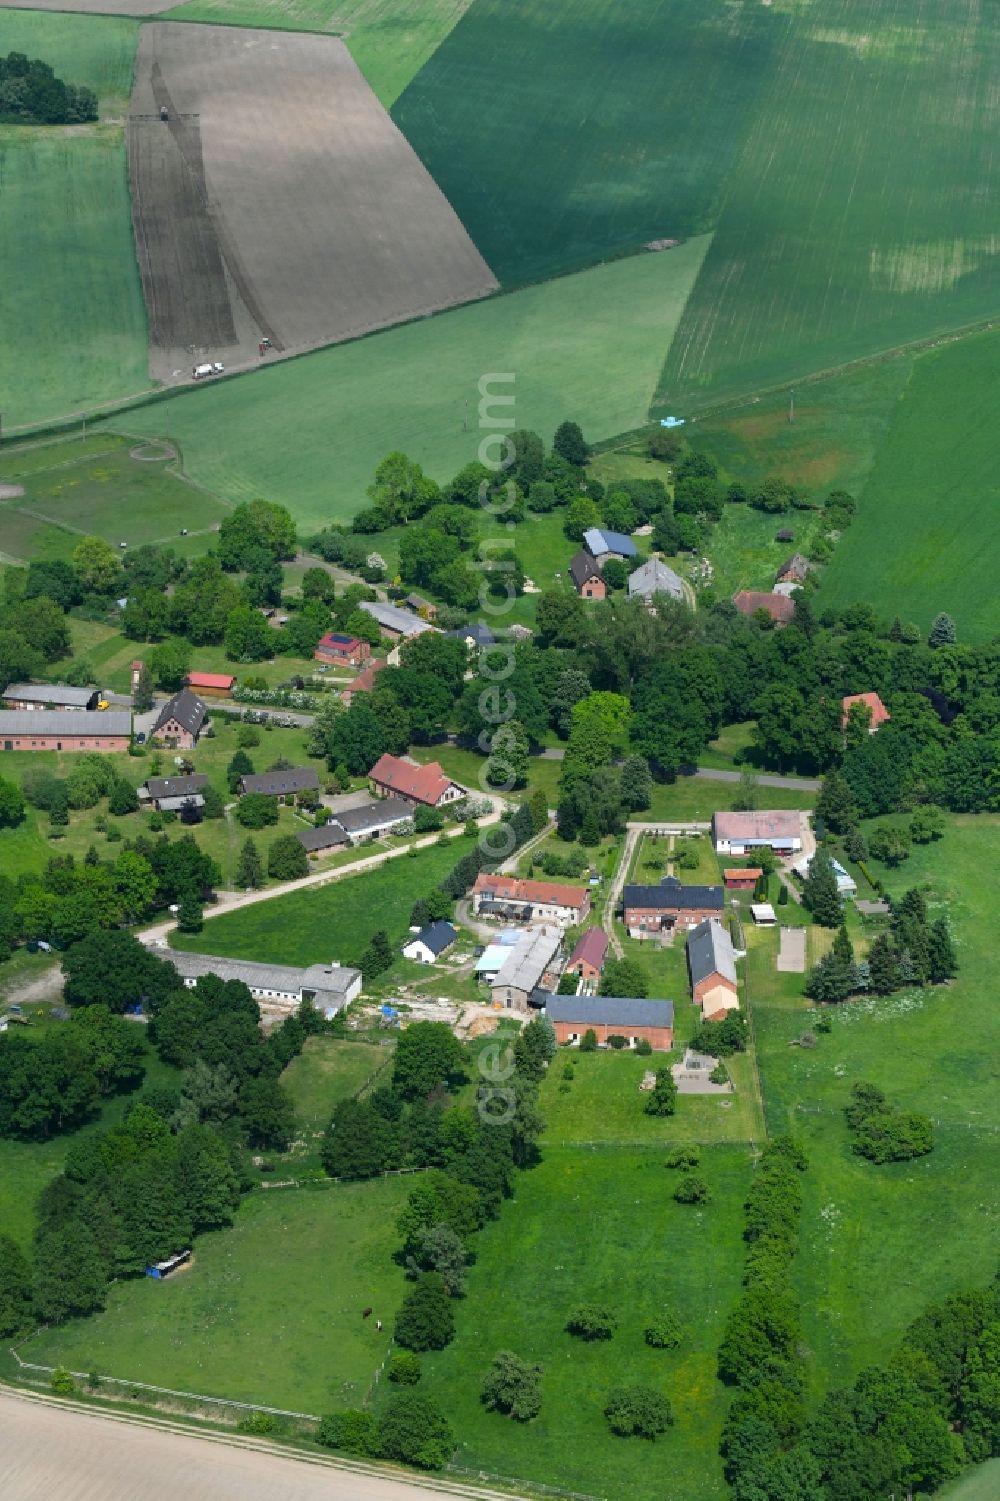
(430, 943)
(161, 1269)
(763, 915)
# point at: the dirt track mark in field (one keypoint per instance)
(326, 222)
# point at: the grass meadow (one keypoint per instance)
(92, 487)
(588, 128)
(326, 922)
(859, 214)
(880, 1243)
(71, 293)
(600, 1225)
(980, 1484)
(934, 491)
(310, 432)
(390, 40)
(270, 1310)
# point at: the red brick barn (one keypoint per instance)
(612, 1016)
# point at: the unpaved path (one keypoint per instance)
(792, 951)
(54, 1450)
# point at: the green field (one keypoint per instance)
(980, 1484)
(92, 487)
(75, 303)
(326, 922)
(880, 1243)
(860, 213)
(600, 1226)
(327, 1070)
(309, 433)
(584, 129)
(695, 799)
(270, 1310)
(604, 1102)
(390, 40)
(933, 491)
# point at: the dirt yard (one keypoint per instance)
(278, 200)
(51, 1451)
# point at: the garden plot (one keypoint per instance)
(278, 200)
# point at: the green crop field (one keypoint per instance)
(697, 798)
(576, 132)
(980, 1484)
(880, 1243)
(934, 492)
(310, 432)
(600, 1226)
(75, 301)
(326, 922)
(270, 1309)
(92, 486)
(390, 40)
(860, 213)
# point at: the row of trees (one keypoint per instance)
(31, 94)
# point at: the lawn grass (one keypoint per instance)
(586, 129)
(92, 487)
(880, 1243)
(603, 1102)
(74, 309)
(933, 490)
(325, 922)
(270, 1310)
(695, 799)
(600, 1226)
(980, 1484)
(858, 216)
(327, 1070)
(390, 40)
(468, 766)
(309, 432)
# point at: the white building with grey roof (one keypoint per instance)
(529, 966)
(279, 987)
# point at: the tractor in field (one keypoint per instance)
(164, 113)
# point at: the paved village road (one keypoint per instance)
(52, 1450)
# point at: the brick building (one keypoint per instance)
(742, 833)
(655, 909)
(65, 729)
(49, 696)
(398, 776)
(612, 1016)
(214, 684)
(587, 958)
(712, 966)
(586, 576)
(529, 901)
(181, 720)
(349, 651)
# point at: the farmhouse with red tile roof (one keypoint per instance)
(398, 776)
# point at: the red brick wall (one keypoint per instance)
(655, 918)
(176, 733)
(67, 742)
(594, 589)
(661, 1039)
(585, 968)
(711, 982)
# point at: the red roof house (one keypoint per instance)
(364, 682)
(334, 646)
(780, 607)
(503, 896)
(398, 776)
(742, 877)
(211, 682)
(879, 713)
(587, 959)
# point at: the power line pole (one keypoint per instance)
(791, 407)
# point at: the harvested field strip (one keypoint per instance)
(287, 171)
(934, 490)
(862, 213)
(390, 40)
(587, 128)
(587, 345)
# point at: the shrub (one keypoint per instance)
(615, 1041)
(884, 1133)
(61, 1382)
(637, 1411)
(352, 1431)
(664, 1333)
(588, 1042)
(592, 1321)
(662, 1099)
(685, 1157)
(691, 1190)
(414, 1431)
(569, 1072)
(256, 1422)
(644, 1047)
(512, 1386)
(255, 810)
(404, 1369)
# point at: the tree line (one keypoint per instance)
(31, 94)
